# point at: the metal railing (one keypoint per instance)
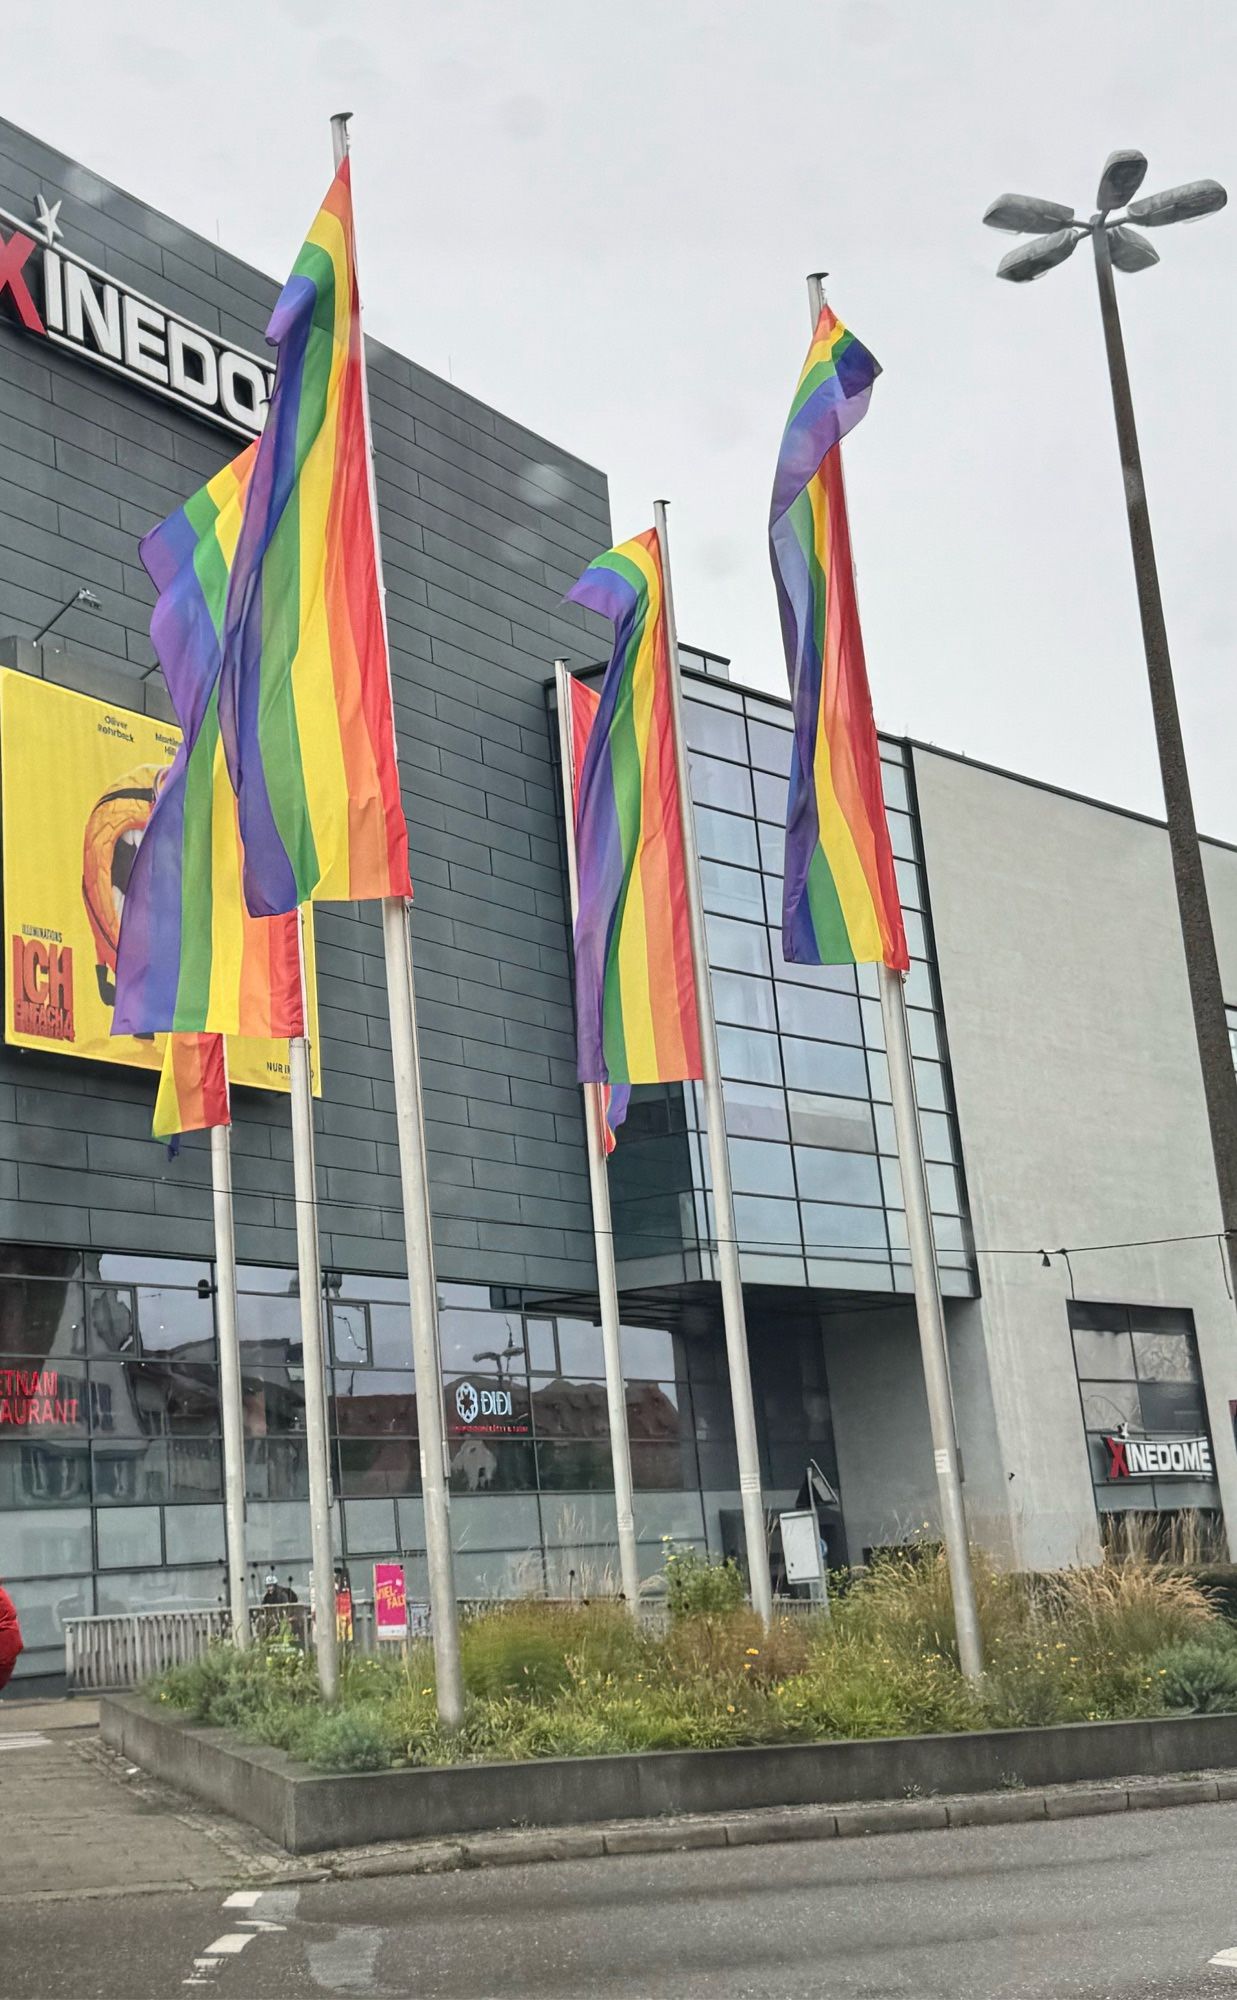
(124, 1649)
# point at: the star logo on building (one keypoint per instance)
(467, 1403)
(48, 219)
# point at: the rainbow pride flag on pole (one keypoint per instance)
(193, 1087)
(840, 899)
(305, 688)
(636, 1013)
(190, 957)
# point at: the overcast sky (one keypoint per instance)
(599, 217)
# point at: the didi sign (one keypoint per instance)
(390, 1601)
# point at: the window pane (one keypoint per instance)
(374, 1403)
(744, 1001)
(490, 1465)
(350, 1335)
(191, 1534)
(925, 1037)
(658, 1410)
(580, 1351)
(930, 1086)
(757, 1168)
(276, 1468)
(372, 1467)
(648, 1350)
(53, 1544)
(837, 1176)
(938, 1136)
(825, 1066)
(270, 1326)
(901, 834)
(716, 731)
(770, 794)
(773, 856)
(171, 1322)
(830, 1017)
(542, 1352)
(153, 1399)
(1172, 1406)
(564, 1407)
(944, 1192)
(916, 933)
(715, 783)
(1105, 1356)
(390, 1336)
(723, 836)
(754, 1111)
(1106, 1404)
(840, 1122)
(829, 1226)
(893, 782)
(111, 1317)
(575, 1468)
(273, 1401)
(1165, 1357)
(770, 748)
(42, 1318)
(909, 887)
(467, 1339)
(750, 1058)
(737, 947)
(129, 1537)
(873, 1024)
(732, 892)
(760, 1221)
(663, 1467)
(157, 1469)
(43, 1474)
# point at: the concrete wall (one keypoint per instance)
(483, 526)
(1080, 1108)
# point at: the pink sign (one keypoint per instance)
(390, 1601)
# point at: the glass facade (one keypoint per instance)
(818, 1200)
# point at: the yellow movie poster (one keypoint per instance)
(79, 781)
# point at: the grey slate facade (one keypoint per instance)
(483, 528)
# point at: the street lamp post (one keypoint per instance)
(1117, 245)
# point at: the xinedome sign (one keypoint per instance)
(1159, 1458)
(58, 296)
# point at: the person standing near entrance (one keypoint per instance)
(10, 1637)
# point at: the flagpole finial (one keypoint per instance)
(339, 135)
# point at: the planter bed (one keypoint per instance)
(306, 1812)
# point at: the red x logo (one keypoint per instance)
(13, 255)
(1118, 1464)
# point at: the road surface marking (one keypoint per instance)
(205, 1964)
(1228, 1957)
(231, 1942)
(24, 1739)
(242, 1899)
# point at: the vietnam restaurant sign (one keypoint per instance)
(1159, 1458)
(62, 297)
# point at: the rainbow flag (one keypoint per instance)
(614, 1107)
(190, 957)
(635, 996)
(305, 689)
(193, 1087)
(840, 899)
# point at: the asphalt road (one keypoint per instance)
(1117, 1908)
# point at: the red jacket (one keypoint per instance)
(10, 1636)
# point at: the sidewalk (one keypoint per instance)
(79, 1821)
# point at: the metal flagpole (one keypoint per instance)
(418, 1236)
(313, 1345)
(229, 1380)
(929, 1310)
(599, 1188)
(733, 1315)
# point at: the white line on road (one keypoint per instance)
(1228, 1957)
(205, 1964)
(242, 1899)
(231, 1942)
(24, 1739)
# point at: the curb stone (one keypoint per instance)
(774, 1826)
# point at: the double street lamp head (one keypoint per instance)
(1123, 175)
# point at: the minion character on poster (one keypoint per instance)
(80, 779)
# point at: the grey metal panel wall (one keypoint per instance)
(483, 525)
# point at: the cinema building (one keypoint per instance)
(1061, 1103)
